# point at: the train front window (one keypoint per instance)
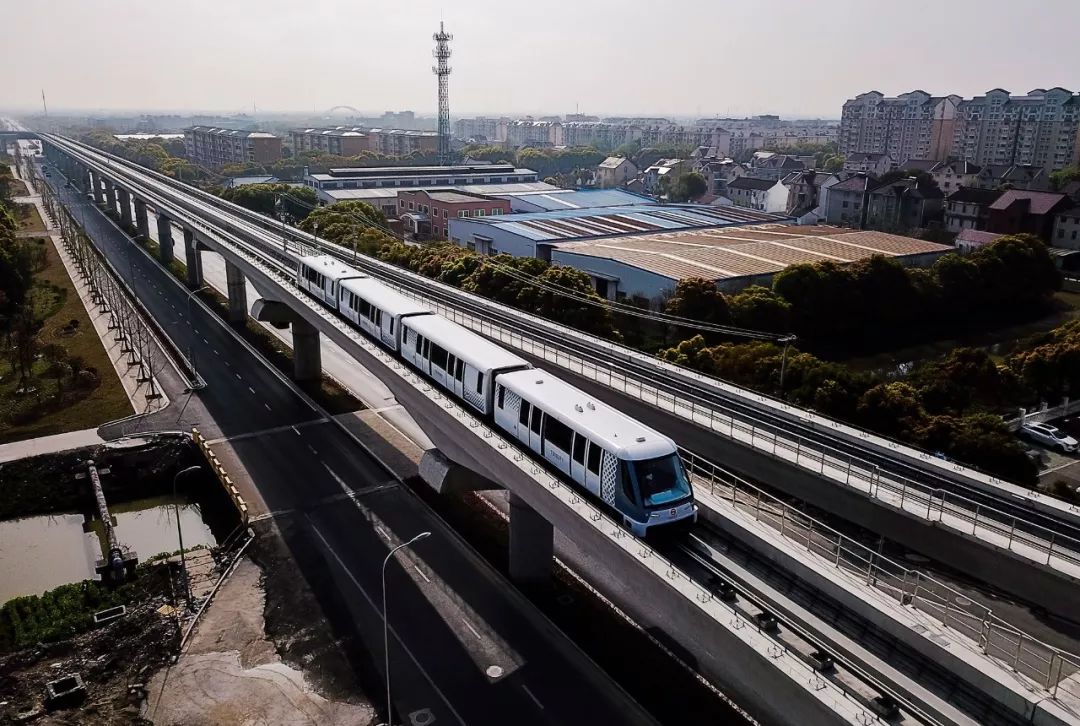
(661, 480)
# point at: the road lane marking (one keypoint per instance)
(267, 406)
(238, 377)
(380, 530)
(421, 573)
(397, 637)
(311, 448)
(534, 698)
(296, 430)
(216, 352)
(467, 624)
(252, 390)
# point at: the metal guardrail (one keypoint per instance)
(642, 552)
(1040, 662)
(935, 504)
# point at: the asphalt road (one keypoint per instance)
(465, 648)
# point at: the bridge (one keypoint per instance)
(805, 667)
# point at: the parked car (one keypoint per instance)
(1050, 436)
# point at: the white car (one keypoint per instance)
(1050, 436)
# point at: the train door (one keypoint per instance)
(593, 456)
(577, 460)
(459, 377)
(536, 431)
(523, 421)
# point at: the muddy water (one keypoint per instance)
(40, 553)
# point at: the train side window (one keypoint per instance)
(537, 420)
(378, 317)
(502, 391)
(459, 369)
(627, 484)
(392, 321)
(479, 382)
(523, 415)
(594, 458)
(579, 448)
(557, 433)
(419, 342)
(427, 348)
(438, 356)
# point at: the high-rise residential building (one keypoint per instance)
(492, 129)
(353, 140)
(912, 125)
(1038, 129)
(212, 146)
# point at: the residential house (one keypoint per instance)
(615, 171)
(427, 213)
(909, 203)
(925, 165)
(1005, 176)
(1067, 228)
(775, 166)
(809, 191)
(1019, 211)
(970, 240)
(764, 195)
(969, 208)
(1072, 191)
(670, 169)
(847, 200)
(951, 175)
(868, 163)
(718, 174)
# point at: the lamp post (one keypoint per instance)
(180, 532)
(386, 622)
(787, 340)
(191, 345)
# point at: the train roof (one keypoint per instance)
(384, 297)
(620, 434)
(332, 267)
(476, 350)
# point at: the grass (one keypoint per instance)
(29, 219)
(997, 341)
(17, 188)
(327, 392)
(56, 300)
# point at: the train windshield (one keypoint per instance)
(661, 481)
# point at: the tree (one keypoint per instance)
(894, 409)
(759, 308)
(698, 299)
(1058, 179)
(688, 186)
(834, 164)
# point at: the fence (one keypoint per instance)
(222, 475)
(1042, 663)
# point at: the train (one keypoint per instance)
(622, 464)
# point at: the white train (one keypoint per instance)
(629, 467)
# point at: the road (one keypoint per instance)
(465, 647)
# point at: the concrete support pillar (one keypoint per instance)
(307, 353)
(194, 260)
(532, 543)
(110, 196)
(142, 221)
(95, 184)
(165, 240)
(125, 207)
(237, 285)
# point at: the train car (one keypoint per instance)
(377, 309)
(320, 276)
(457, 359)
(627, 465)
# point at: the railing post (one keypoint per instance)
(757, 505)
(1050, 549)
(1012, 530)
(783, 517)
(798, 449)
(975, 523)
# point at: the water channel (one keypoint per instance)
(43, 552)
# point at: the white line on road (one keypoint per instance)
(296, 430)
(267, 406)
(421, 573)
(216, 352)
(312, 449)
(470, 627)
(206, 341)
(534, 698)
(238, 377)
(380, 530)
(252, 390)
(397, 637)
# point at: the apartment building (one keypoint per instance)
(427, 213)
(913, 125)
(338, 140)
(213, 147)
(1038, 129)
(969, 208)
(490, 129)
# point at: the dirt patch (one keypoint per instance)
(110, 660)
(231, 672)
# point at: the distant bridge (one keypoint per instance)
(343, 108)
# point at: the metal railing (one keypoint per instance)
(935, 504)
(1038, 661)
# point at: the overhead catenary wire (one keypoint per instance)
(579, 296)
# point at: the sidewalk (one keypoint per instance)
(49, 444)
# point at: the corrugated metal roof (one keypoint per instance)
(583, 199)
(731, 252)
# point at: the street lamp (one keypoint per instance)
(386, 622)
(191, 345)
(180, 532)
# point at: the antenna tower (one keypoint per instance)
(442, 70)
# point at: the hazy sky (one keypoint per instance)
(668, 57)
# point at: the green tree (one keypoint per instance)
(698, 299)
(834, 164)
(1060, 178)
(759, 308)
(688, 186)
